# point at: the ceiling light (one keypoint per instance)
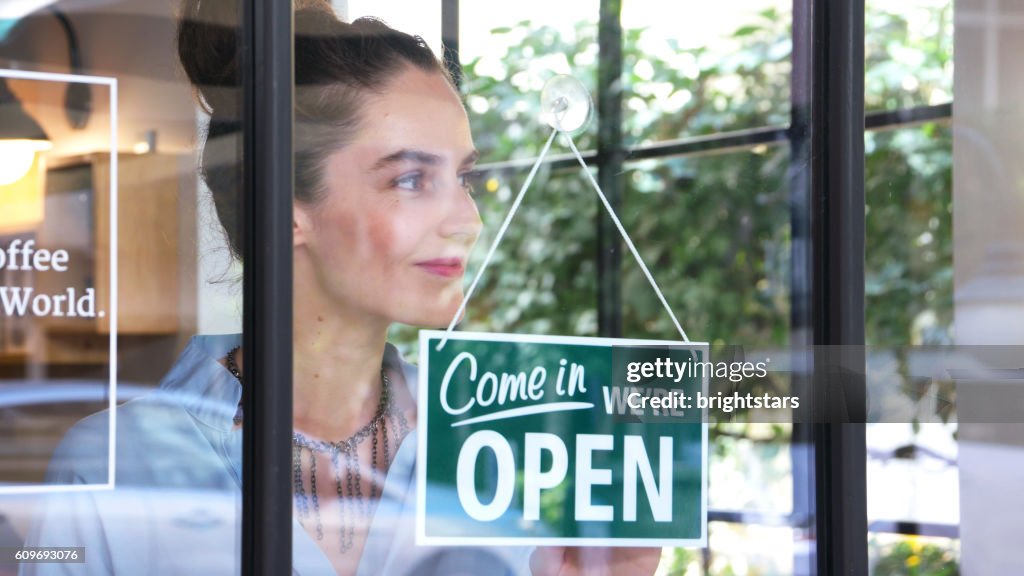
(18, 9)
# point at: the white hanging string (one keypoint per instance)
(512, 213)
(497, 239)
(625, 237)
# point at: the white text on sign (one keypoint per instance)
(636, 469)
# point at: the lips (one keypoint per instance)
(444, 267)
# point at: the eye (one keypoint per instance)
(466, 180)
(412, 181)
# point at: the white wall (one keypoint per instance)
(988, 223)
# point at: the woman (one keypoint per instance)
(384, 221)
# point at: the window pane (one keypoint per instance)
(909, 252)
(508, 52)
(908, 54)
(117, 433)
(912, 475)
(696, 70)
(716, 229)
(892, 554)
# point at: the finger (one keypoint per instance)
(546, 560)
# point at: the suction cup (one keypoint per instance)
(565, 104)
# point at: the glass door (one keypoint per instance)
(120, 288)
(699, 145)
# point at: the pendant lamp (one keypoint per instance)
(21, 137)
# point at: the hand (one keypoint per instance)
(559, 561)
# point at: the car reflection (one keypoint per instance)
(175, 514)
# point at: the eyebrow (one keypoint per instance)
(421, 157)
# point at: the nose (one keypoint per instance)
(462, 221)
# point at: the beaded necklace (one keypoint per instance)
(354, 506)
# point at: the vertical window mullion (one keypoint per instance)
(450, 39)
(801, 335)
(267, 42)
(610, 155)
(837, 284)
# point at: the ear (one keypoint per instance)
(301, 225)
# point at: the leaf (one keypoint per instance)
(746, 31)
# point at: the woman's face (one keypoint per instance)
(392, 234)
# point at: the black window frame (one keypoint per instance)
(267, 65)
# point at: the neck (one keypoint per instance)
(338, 356)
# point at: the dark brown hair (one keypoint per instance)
(337, 66)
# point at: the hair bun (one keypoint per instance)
(321, 5)
(208, 50)
(207, 41)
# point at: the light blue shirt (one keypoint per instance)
(176, 508)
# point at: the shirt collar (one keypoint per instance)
(210, 393)
(204, 387)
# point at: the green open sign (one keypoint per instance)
(538, 440)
